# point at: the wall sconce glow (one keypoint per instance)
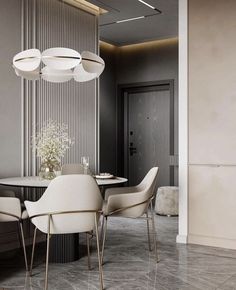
(61, 65)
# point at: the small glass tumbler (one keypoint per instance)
(85, 163)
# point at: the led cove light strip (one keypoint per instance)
(145, 3)
(130, 19)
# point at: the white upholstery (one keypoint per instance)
(24, 215)
(67, 193)
(10, 205)
(167, 200)
(73, 168)
(11, 193)
(117, 198)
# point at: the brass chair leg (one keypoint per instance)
(104, 238)
(88, 250)
(154, 235)
(47, 255)
(33, 248)
(148, 232)
(23, 245)
(19, 234)
(98, 250)
(102, 227)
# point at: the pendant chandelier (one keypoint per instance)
(61, 65)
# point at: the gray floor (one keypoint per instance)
(129, 265)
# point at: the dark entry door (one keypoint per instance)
(148, 130)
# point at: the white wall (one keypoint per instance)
(212, 123)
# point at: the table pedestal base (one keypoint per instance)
(64, 248)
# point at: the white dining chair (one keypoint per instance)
(10, 211)
(71, 204)
(77, 168)
(10, 193)
(132, 202)
(74, 168)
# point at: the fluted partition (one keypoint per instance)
(52, 23)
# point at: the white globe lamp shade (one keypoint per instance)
(61, 58)
(27, 60)
(29, 75)
(56, 76)
(92, 63)
(80, 75)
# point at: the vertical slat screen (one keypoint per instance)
(60, 25)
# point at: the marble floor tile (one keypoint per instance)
(229, 284)
(129, 265)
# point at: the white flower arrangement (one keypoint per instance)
(51, 141)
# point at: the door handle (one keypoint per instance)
(132, 150)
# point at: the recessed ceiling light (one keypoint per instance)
(130, 19)
(145, 3)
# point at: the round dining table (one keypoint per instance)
(38, 182)
(63, 248)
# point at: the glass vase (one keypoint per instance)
(50, 169)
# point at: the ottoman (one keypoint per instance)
(167, 201)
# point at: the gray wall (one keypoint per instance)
(10, 89)
(24, 104)
(57, 24)
(151, 61)
(108, 110)
(10, 100)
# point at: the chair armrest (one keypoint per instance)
(119, 190)
(134, 202)
(11, 207)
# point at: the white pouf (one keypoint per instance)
(167, 200)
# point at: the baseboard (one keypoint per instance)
(212, 241)
(181, 239)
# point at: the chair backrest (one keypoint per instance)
(11, 206)
(67, 193)
(149, 181)
(142, 193)
(73, 168)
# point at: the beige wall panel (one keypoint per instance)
(212, 85)
(212, 206)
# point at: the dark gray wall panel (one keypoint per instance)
(108, 111)
(151, 61)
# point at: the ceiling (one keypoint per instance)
(154, 26)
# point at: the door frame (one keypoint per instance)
(182, 236)
(122, 90)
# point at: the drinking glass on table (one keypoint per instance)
(85, 163)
